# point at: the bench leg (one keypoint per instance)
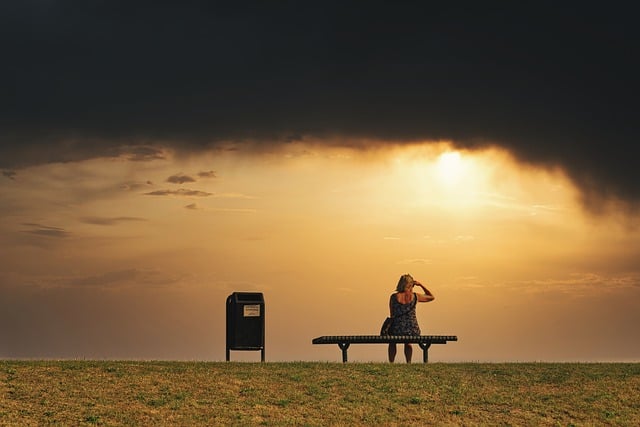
(344, 346)
(425, 350)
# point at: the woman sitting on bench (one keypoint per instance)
(402, 306)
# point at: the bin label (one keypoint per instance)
(252, 310)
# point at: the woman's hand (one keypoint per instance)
(426, 291)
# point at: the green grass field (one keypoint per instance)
(219, 393)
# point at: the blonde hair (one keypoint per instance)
(404, 280)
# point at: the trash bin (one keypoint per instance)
(245, 322)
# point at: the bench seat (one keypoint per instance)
(424, 341)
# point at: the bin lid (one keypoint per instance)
(255, 297)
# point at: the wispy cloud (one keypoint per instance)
(11, 174)
(547, 207)
(119, 278)
(578, 284)
(233, 196)
(234, 210)
(537, 209)
(96, 220)
(45, 230)
(180, 179)
(134, 185)
(143, 153)
(207, 174)
(182, 192)
(595, 280)
(197, 207)
(423, 261)
(511, 203)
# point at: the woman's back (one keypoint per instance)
(403, 311)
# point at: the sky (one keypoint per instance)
(156, 157)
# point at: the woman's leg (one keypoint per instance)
(408, 352)
(392, 352)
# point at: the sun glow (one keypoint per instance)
(448, 178)
(450, 167)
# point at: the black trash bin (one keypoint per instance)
(245, 322)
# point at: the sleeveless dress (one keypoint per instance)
(405, 321)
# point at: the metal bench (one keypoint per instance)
(424, 341)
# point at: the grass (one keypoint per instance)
(219, 393)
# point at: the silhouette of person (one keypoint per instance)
(402, 306)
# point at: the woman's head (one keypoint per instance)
(405, 280)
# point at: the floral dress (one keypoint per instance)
(405, 321)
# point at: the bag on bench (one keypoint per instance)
(386, 326)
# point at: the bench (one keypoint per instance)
(424, 341)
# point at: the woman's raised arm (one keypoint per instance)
(427, 296)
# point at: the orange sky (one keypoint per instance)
(112, 258)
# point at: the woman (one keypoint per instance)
(402, 305)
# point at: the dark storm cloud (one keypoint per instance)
(555, 84)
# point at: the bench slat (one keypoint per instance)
(373, 339)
